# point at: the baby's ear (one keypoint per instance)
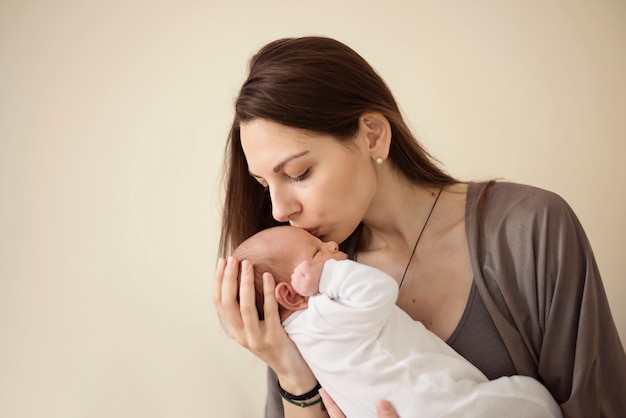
(288, 298)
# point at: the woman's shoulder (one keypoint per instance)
(506, 200)
(504, 191)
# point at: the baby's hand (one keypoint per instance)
(305, 278)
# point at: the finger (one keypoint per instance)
(385, 410)
(304, 266)
(270, 306)
(217, 292)
(330, 405)
(218, 280)
(228, 308)
(230, 286)
(247, 299)
(295, 276)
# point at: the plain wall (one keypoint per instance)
(113, 119)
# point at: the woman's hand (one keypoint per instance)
(330, 405)
(383, 408)
(265, 339)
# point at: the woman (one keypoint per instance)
(503, 272)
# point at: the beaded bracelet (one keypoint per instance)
(300, 400)
(304, 404)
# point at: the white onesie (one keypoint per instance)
(363, 348)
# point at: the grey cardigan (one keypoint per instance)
(535, 270)
(536, 273)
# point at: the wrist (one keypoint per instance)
(293, 372)
(297, 384)
(304, 400)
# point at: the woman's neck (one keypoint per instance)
(392, 216)
(396, 219)
(400, 208)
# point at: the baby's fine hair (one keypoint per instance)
(260, 251)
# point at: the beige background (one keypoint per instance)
(113, 117)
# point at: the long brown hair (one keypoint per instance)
(317, 84)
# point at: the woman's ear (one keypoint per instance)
(377, 131)
(288, 298)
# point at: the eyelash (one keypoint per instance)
(300, 177)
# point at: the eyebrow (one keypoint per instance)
(283, 163)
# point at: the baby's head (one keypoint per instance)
(279, 250)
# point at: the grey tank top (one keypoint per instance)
(477, 339)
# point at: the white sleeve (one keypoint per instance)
(360, 297)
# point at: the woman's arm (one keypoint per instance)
(581, 357)
(538, 277)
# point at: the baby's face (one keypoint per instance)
(300, 246)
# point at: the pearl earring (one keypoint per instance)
(379, 160)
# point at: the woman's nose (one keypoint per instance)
(283, 206)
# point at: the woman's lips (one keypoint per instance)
(313, 231)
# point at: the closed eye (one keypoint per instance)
(301, 176)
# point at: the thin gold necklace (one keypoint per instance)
(420, 236)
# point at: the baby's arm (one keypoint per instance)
(305, 278)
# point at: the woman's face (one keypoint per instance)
(314, 181)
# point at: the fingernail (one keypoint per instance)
(384, 407)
